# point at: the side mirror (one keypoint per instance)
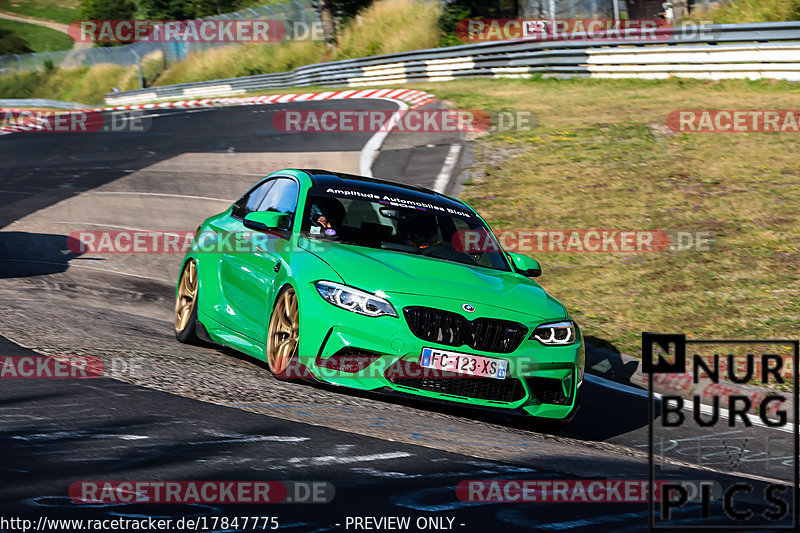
(264, 220)
(527, 266)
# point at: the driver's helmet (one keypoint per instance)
(421, 230)
(327, 212)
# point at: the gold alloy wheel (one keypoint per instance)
(283, 332)
(186, 297)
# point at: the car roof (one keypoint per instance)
(327, 178)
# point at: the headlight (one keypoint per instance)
(354, 300)
(555, 333)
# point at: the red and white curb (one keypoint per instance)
(412, 98)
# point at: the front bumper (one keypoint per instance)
(542, 381)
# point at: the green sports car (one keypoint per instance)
(379, 286)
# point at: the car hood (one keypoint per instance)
(400, 273)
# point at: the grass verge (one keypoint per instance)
(601, 157)
(64, 11)
(83, 85)
(39, 38)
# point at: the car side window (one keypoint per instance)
(281, 197)
(250, 201)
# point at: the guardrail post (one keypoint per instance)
(139, 69)
(287, 21)
(301, 11)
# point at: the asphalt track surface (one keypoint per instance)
(167, 411)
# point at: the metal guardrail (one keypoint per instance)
(755, 51)
(289, 12)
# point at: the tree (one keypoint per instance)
(344, 9)
(107, 9)
(457, 10)
(11, 43)
(328, 25)
(337, 9)
(186, 9)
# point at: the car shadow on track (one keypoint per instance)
(604, 413)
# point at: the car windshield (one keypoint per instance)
(412, 226)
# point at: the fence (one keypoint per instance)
(755, 51)
(289, 13)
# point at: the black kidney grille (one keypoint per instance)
(499, 390)
(452, 329)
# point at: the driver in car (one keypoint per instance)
(327, 215)
(421, 231)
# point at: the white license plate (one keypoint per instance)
(463, 363)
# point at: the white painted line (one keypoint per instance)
(379, 473)
(443, 179)
(162, 194)
(251, 438)
(370, 150)
(704, 409)
(41, 437)
(607, 383)
(342, 460)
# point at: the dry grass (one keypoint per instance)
(599, 159)
(390, 26)
(383, 28)
(243, 60)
